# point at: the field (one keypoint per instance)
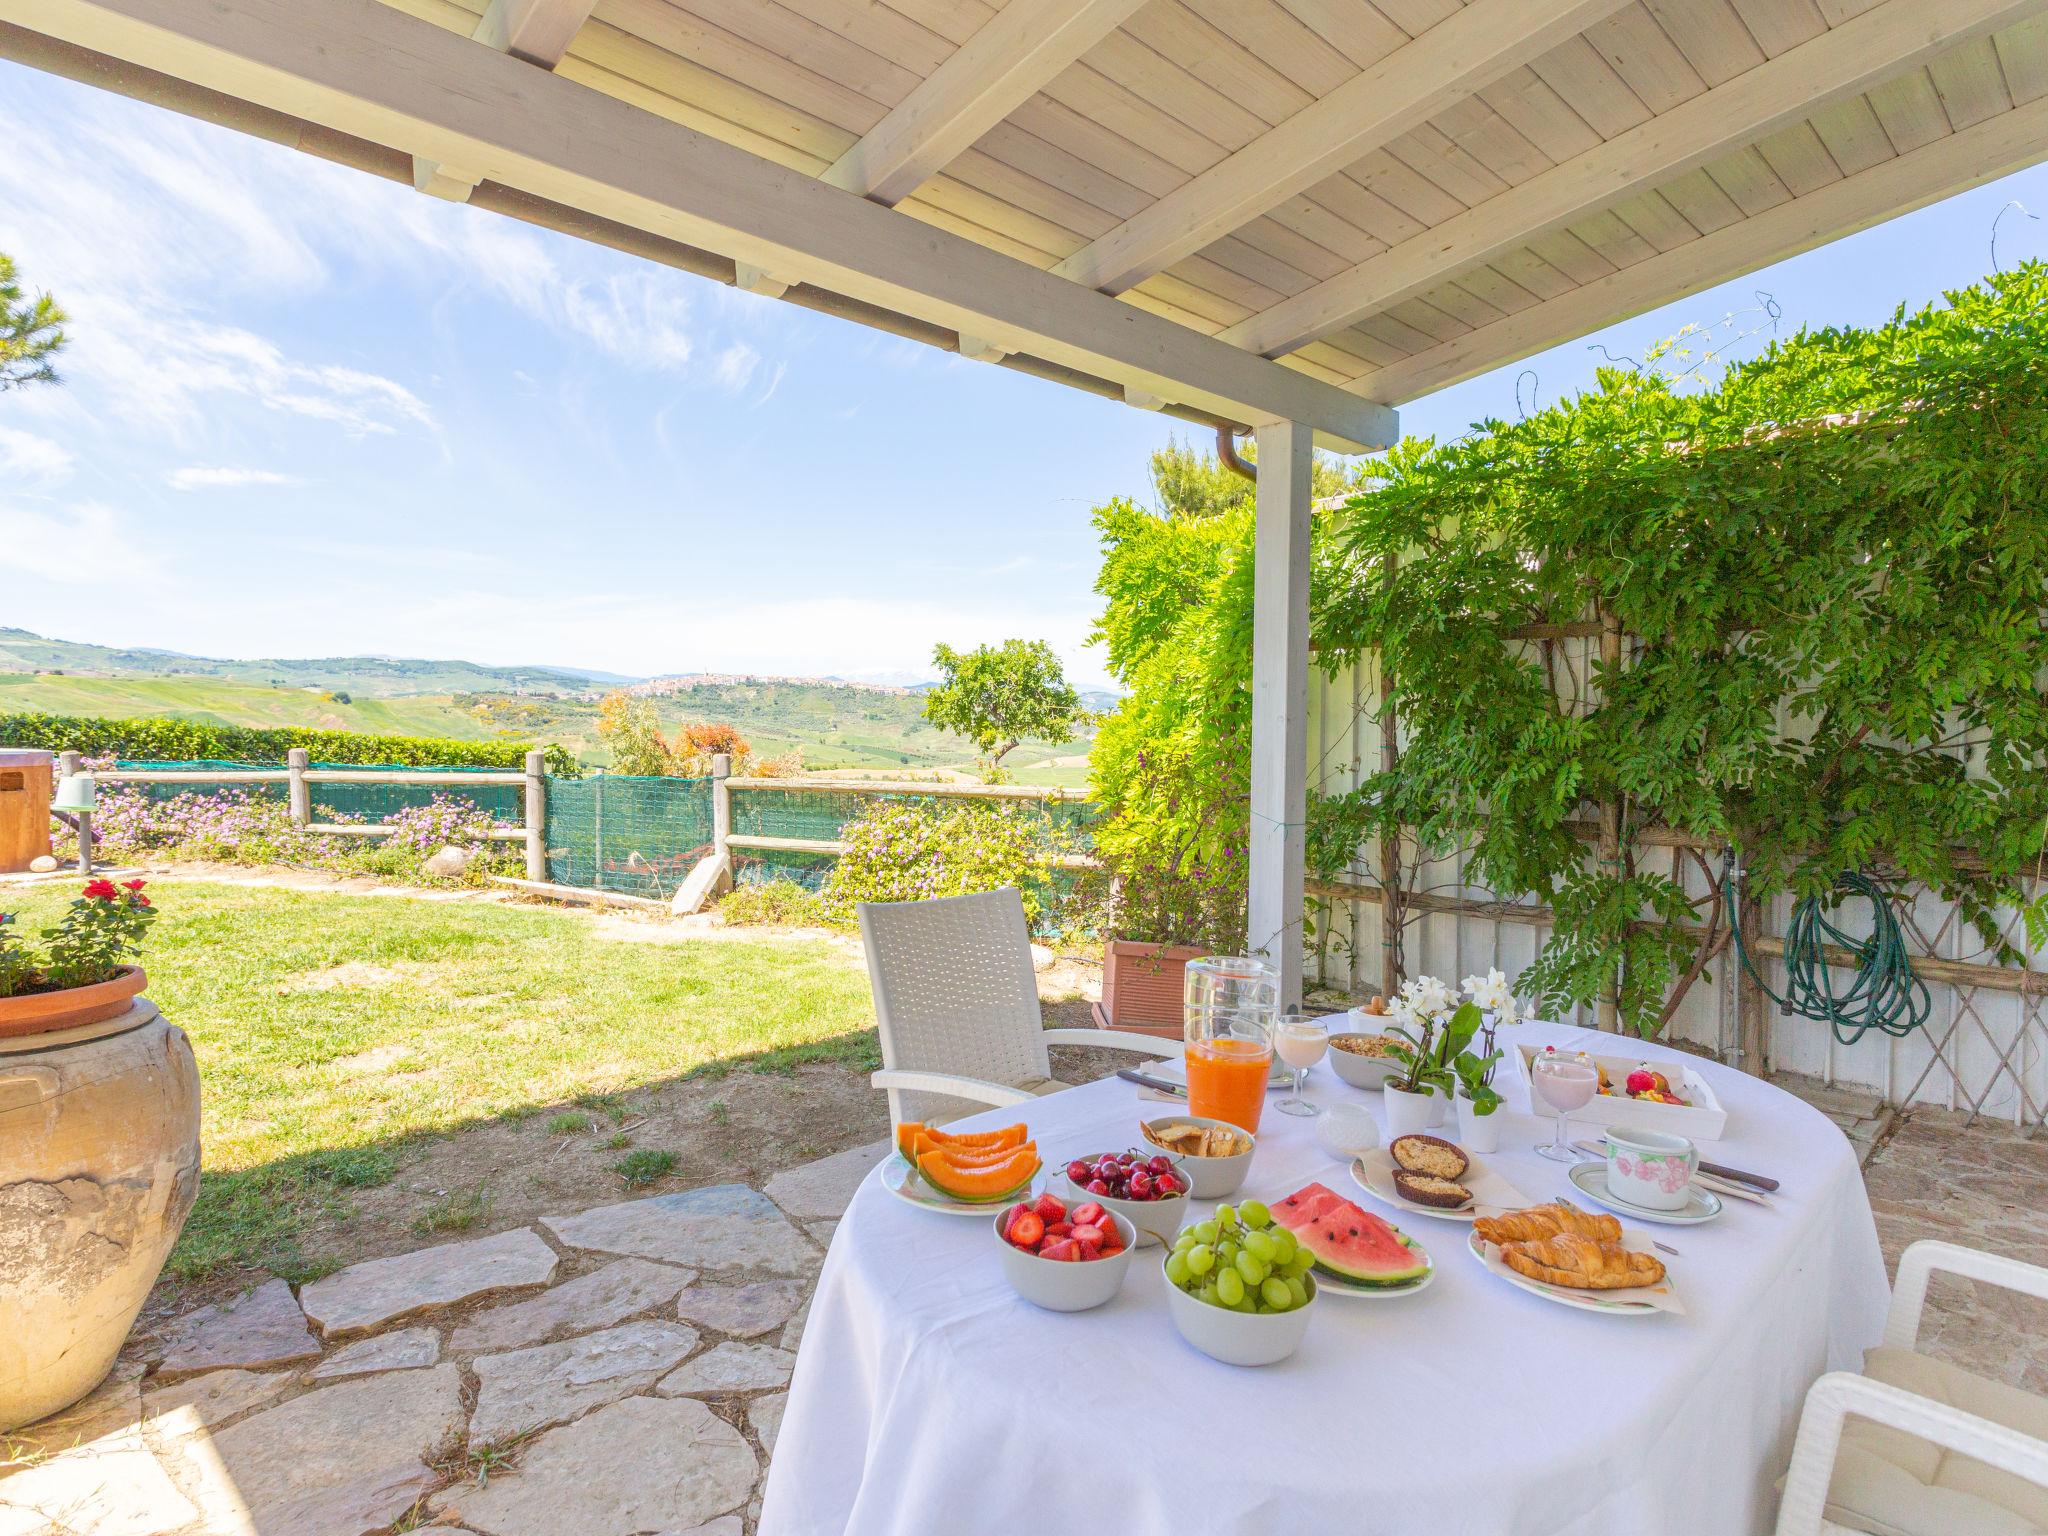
(343, 1039)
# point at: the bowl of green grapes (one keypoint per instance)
(1239, 1286)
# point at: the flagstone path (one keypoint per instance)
(622, 1370)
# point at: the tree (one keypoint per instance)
(996, 695)
(31, 332)
(1191, 484)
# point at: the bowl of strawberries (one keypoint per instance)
(1065, 1258)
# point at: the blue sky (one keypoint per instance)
(310, 412)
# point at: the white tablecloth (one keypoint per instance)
(930, 1399)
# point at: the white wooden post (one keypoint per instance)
(535, 797)
(296, 762)
(713, 872)
(1279, 789)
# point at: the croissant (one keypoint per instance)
(1582, 1264)
(1540, 1221)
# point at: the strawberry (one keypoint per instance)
(1063, 1249)
(1021, 1208)
(1088, 1233)
(1060, 1229)
(1111, 1248)
(1050, 1208)
(1091, 1251)
(1026, 1229)
(1090, 1214)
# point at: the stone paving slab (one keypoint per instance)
(764, 1414)
(113, 1487)
(596, 1300)
(722, 1227)
(261, 1328)
(407, 1349)
(340, 1461)
(531, 1388)
(199, 1403)
(643, 1465)
(822, 1190)
(729, 1368)
(741, 1310)
(369, 1295)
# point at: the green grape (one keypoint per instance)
(1285, 1244)
(1177, 1267)
(1301, 1263)
(1253, 1271)
(1207, 1293)
(1228, 1250)
(1201, 1259)
(1230, 1287)
(1207, 1231)
(1275, 1294)
(1297, 1288)
(1255, 1214)
(1247, 1303)
(1184, 1239)
(1261, 1246)
(1226, 1215)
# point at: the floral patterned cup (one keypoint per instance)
(1650, 1169)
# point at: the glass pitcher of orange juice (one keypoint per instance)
(1230, 1003)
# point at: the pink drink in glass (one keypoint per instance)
(1565, 1085)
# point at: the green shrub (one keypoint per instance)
(644, 1166)
(910, 850)
(782, 902)
(160, 740)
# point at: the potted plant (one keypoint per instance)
(82, 975)
(1477, 1099)
(1424, 1029)
(99, 1134)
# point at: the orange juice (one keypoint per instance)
(1227, 1080)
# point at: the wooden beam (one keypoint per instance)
(538, 31)
(1839, 63)
(1014, 55)
(1982, 152)
(1464, 53)
(366, 69)
(1276, 859)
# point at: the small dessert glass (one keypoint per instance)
(1301, 1041)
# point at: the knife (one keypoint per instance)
(1144, 1080)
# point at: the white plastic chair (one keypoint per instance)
(956, 997)
(1916, 1446)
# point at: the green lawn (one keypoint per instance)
(332, 1030)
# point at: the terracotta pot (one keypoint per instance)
(1142, 985)
(40, 1012)
(99, 1162)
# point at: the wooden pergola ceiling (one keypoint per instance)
(1381, 198)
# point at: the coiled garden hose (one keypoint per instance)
(1883, 994)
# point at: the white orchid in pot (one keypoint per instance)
(1437, 1034)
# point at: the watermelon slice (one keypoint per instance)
(1348, 1242)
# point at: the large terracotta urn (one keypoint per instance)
(99, 1163)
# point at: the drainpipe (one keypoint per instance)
(1228, 456)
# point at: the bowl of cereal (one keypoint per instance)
(1362, 1059)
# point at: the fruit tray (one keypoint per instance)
(1701, 1117)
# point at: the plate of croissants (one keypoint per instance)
(1578, 1258)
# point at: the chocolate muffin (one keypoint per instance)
(1430, 1155)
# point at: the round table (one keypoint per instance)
(929, 1397)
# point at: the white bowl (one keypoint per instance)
(1156, 1220)
(1238, 1338)
(1061, 1285)
(1209, 1178)
(1360, 1071)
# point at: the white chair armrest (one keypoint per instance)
(1116, 1040)
(1919, 1264)
(1840, 1395)
(975, 1088)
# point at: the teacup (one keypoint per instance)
(1650, 1169)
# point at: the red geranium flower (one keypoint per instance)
(142, 901)
(101, 890)
(133, 885)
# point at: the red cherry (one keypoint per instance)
(1079, 1171)
(1098, 1186)
(1167, 1185)
(1141, 1186)
(1159, 1165)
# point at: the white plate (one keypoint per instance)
(1332, 1285)
(1637, 1302)
(1373, 1172)
(906, 1183)
(1591, 1178)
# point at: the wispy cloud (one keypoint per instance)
(33, 462)
(82, 543)
(196, 477)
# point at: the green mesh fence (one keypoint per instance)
(342, 802)
(822, 815)
(636, 836)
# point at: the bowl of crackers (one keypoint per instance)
(1216, 1154)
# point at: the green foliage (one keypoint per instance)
(996, 695)
(101, 930)
(175, 741)
(781, 902)
(644, 1166)
(31, 332)
(1834, 562)
(911, 850)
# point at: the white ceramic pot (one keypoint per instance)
(1066, 1287)
(1477, 1133)
(1238, 1338)
(1409, 1112)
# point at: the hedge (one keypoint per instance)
(177, 741)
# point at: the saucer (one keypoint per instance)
(1700, 1205)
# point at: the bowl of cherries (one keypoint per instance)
(1147, 1189)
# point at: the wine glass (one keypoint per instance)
(1299, 1040)
(1565, 1085)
